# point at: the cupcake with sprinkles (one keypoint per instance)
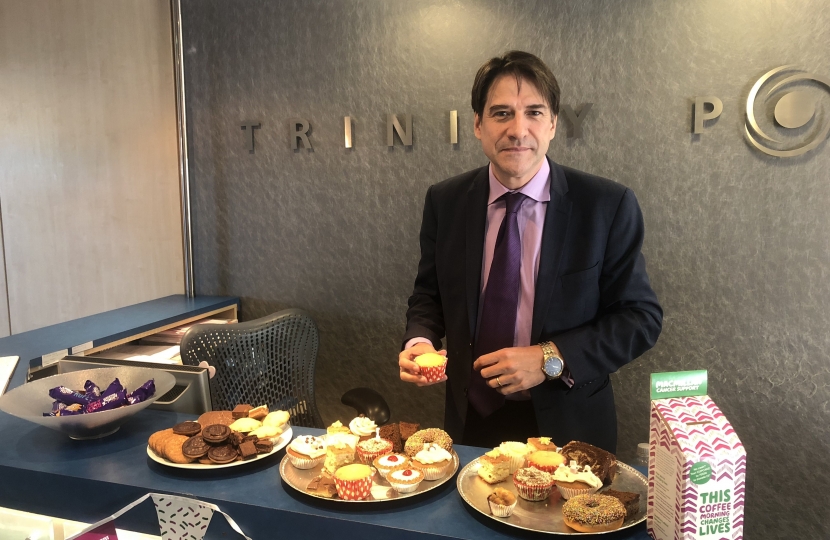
(533, 484)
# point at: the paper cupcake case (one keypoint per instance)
(529, 492)
(431, 472)
(368, 457)
(501, 510)
(305, 463)
(434, 374)
(353, 490)
(568, 493)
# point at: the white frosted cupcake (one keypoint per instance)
(363, 427)
(433, 461)
(405, 479)
(572, 481)
(306, 451)
(517, 452)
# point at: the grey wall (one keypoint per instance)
(736, 241)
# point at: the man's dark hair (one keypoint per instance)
(524, 67)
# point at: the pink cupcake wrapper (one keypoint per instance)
(547, 468)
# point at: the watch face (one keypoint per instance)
(553, 367)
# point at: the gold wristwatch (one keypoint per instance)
(552, 363)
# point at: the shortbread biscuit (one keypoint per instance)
(173, 449)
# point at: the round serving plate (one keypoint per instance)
(381, 490)
(281, 443)
(542, 516)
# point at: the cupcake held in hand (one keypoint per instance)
(433, 366)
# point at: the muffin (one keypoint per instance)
(545, 461)
(389, 462)
(433, 461)
(541, 443)
(517, 452)
(306, 451)
(533, 484)
(369, 449)
(572, 481)
(353, 482)
(432, 366)
(501, 502)
(363, 427)
(405, 479)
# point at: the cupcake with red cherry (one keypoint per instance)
(405, 479)
(389, 462)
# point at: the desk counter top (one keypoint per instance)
(45, 472)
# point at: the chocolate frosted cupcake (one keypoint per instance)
(533, 484)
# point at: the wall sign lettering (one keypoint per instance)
(794, 110)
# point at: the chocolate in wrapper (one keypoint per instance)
(114, 387)
(68, 396)
(57, 406)
(142, 392)
(92, 390)
(106, 403)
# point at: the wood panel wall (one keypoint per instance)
(88, 157)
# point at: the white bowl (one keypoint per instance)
(29, 401)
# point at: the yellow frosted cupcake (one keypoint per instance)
(337, 427)
(432, 365)
(353, 482)
(546, 461)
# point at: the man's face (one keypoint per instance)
(515, 130)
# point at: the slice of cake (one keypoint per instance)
(392, 433)
(340, 450)
(495, 466)
(407, 430)
(630, 500)
(603, 463)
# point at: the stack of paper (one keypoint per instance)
(7, 365)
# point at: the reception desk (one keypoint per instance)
(44, 472)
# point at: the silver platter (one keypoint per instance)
(381, 490)
(542, 516)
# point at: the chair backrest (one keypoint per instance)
(265, 361)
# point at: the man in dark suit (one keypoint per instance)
(534, 274)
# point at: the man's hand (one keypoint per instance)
(410, 372)
(516, 368)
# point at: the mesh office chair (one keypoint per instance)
(265, 361)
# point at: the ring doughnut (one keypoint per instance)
(415, 442)
(593, 513)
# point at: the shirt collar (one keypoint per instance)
(537, 189)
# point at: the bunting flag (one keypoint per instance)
(179, 518)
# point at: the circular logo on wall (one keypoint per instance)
(797, 116)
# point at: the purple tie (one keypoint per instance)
(501, 300)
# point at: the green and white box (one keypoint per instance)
(696, 466)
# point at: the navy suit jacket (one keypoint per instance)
(593, 298)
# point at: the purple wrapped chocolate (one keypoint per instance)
(57, 406)
(142, 392)
(111, 401)
(92, 390)
(113, 388)
(68, 396)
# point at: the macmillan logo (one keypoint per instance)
(797, 119)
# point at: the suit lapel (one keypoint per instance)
(476, 221)
(553, 240)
